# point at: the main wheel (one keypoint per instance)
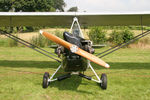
(103, 85)
(45, 80)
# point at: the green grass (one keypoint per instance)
(3, 42)
(21, 73)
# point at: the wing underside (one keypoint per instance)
(65, 19)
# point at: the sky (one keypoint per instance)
(109, 5)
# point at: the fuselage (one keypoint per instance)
(72, 62)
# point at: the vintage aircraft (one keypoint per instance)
(75, 52)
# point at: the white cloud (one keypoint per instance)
(109, 5)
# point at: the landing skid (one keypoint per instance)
(101, 81)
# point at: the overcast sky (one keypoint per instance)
(109, 5)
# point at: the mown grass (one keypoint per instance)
(21, 72)
(3, 42)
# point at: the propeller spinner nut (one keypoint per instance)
(74, 48)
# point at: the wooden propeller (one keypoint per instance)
(75, 49)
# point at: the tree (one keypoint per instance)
(59, 5)
(32, 5)
(73, 9)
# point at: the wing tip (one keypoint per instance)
(107, 66)
(41, 32)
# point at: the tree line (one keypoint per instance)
(32, 5)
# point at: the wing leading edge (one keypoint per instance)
(65, 19)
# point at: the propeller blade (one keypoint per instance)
(75, 49)
(92, 58)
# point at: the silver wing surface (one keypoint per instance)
(53, 19)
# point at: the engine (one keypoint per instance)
(76, 40)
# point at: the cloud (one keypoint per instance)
(109, 5)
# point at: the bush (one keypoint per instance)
(6, 29)
(127, 35)
(97, 35)
(29, 29)
(41, 41)
(38, 40)
(118, 37)
(19, 29)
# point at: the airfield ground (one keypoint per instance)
(21, 73)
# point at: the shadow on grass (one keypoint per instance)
(53, 64)
(71, 84)
(29, 64)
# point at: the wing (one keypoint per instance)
(65, 18)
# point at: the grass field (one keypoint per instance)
(21, 73)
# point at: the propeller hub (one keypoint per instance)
(74, 48)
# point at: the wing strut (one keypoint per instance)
(40, 50)
(117, 47)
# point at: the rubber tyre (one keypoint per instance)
(103, 85)
(45, 80)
